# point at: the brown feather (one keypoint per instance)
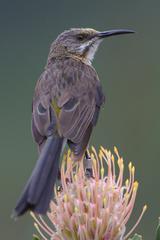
(74, 86)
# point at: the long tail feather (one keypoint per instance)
(39, 188)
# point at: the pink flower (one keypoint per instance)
(92, 208)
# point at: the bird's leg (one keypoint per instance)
(59, 187)
(88, 165)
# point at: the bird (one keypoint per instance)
(65, 108)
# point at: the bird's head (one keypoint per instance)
(81, 42)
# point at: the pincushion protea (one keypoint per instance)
(96, 208)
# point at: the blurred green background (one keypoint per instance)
(128, 67)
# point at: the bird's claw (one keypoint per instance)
(89, 173)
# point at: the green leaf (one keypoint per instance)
(158, 231)
(35, 237)
(136, 237)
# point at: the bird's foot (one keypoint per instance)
(89, 173)
(59, 188)
(88, 165)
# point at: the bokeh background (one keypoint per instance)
(128, 67)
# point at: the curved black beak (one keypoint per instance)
(114, 32)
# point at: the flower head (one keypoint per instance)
(92, 208)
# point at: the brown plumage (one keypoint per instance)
(66, 104)
(74, 88)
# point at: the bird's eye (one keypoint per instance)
(80, 37)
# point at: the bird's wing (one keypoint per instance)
(79, 108)
(79, 148)
(42, 113)
(75, 117)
